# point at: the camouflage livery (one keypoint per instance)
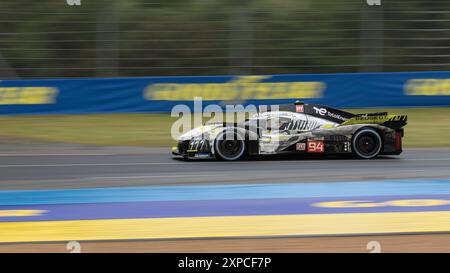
(297, 128)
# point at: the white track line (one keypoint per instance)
(209, 162)
(154, 176)
(84, 165)
(24, 155)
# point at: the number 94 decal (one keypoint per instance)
(315, 146)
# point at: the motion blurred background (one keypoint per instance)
(96, 147)
(49, 38)
(110, 38)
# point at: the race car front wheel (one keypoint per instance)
(229, 146)
(366, 143)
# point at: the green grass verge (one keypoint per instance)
(427, 127)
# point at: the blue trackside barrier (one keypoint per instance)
(160, 94)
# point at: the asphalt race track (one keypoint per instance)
(109, 167)
(57, 184)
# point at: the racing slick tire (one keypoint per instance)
(230, 148)
(366, 143)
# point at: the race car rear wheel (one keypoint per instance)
(366, 143)
(229, 146)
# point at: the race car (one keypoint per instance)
(298, 128)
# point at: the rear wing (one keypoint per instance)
(392, 121)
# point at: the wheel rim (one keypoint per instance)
(230, 149)
(367, 144)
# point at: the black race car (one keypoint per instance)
(297, 128)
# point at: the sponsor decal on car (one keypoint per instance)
(374, 119)
(299, 108)
(300, 146)
(324, 112)
(337, 116)
(320, 111)
(202, 155)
